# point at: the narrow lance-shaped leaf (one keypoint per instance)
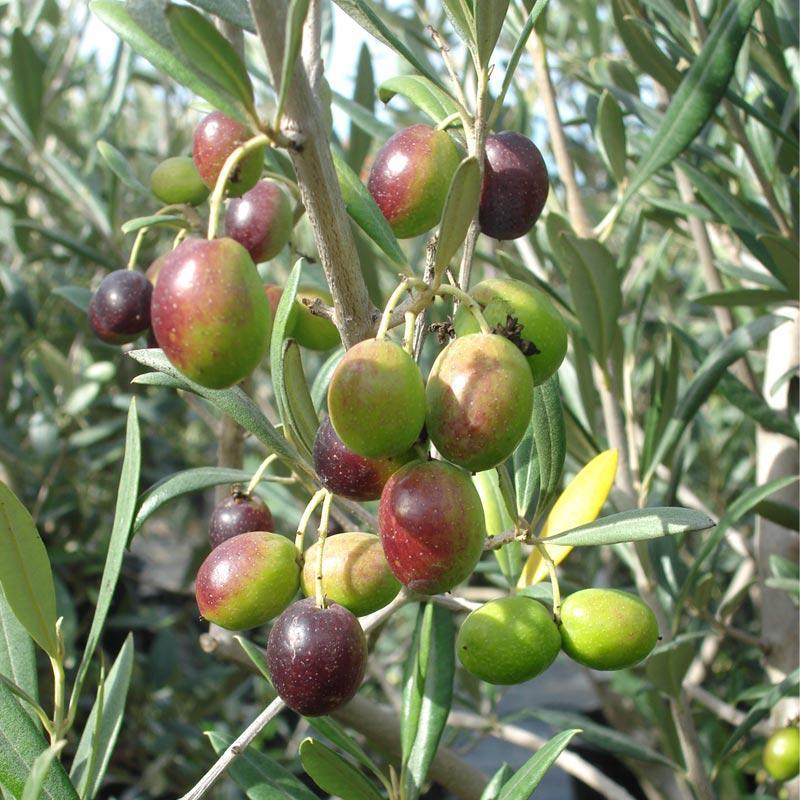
(25, 573)
(498, 520)
(118, 164)
(34, 786)
(636, 525)
(495, 785)
(280, 330)
(489, 18)
(334, 774)
(293, 36)
(462, 20)
(236, 12)
(363, 95)
(550, 439)
(610, 135)
(301, 415)
(699, 93)
(460, 207)
(211, 53)
(579, 503)
(27, 80)
(420, 92)
(17, 654)
(123, 521)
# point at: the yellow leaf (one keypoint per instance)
(578, 504)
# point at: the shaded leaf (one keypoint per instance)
(27, 80)
(489, 18)
(460, 206)
(236, 12)
(118, 164)
(333, 774)
(293, 36)
(528, 777)
(17, 655)
(610, 135)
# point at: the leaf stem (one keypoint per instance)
(259, 474)
(61, 721)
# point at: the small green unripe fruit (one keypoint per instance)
(309, 330)
(376, 399)
(176, 180)
(541, 323)
(607, 629)
(479, 401)
(782, 754)
(354, 572)
(509, 640)
(247, 580)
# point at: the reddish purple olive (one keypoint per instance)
(348, 474)
(260, 220)
(119, 310)
(316, 657)
(210, 313)
(480, 399)
(238, 513)
(215, 138)
(410, 178)
(515, 186)
(431, 525)
(248, 580)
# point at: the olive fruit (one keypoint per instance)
(176, 180)
(354, 572)
(260, 220)
(210, 313)
(348, 474)
(316, 657)
(376, 399)
(247, 580)
(431, 525)
(410, 177)
(479, 401)
(509, 640)
(515, 186)
(607, 629)
(215, 138)
(119, 310)
(541, 324)
(238, 513)
(781, 754)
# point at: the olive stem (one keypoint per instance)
(408, 335)
(469, 302)
(259, 474)
(60, 722)
(218, 195)
(449, 120)
(404, 286)
(303, 524)
(179, 237)
(461, 100)
(322, 535)
(137, 246)
(551, 569)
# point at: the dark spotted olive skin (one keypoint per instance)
(238, 513)
(248, 580)
(480, 398)
(348, 474)
(410, 178)
(431, 525)
(260, 220)
(316, 657)
(215, 138)
(119, 310)
(515, 186)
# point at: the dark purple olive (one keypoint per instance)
(237, 514)
(119, 311)
(316, 657)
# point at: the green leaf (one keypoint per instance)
(301, 415)
(363, 95)
(528, 777)
(489, 18)
(550, 439)
(596, 294)
(601, 736)
(293, 36)
(259, 776)
(332, 730)
(363, 14)
(120, 532)
(498, 519)
(155, 220)
(733, 298)
(610, 136)
(21, 744)
(233, 402)
(118, 164)
(319, 389)
(634, 526)
(105, 720)
(526, 469)
(27, 81)
(460, 207)
(364, 211)
(698, 95)
(237, 12)
(785, 256)
(363, 118)
(74, 245)
(117, 17)
(422, 93)
(495, 785)
(256, 655)
(427, 695)
(706, 378)
(211, 53)
(333, 774)
(34, 786)
(280, 329)
(667, 665)
(460, 15)
(25, 574)
(17, 655)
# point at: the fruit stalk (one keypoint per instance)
(259, 474)
(303, 524)
(322, 534)
(551, 569)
